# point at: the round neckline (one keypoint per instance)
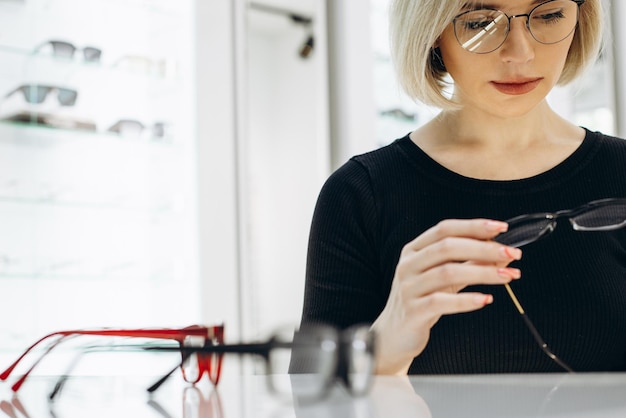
(546, 179)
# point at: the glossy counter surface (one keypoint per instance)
(558, 395)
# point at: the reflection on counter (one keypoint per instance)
(245, 395)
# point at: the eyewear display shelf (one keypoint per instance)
(97, 170)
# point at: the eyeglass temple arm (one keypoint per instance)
(162, 380)
(253, 348)
(534, 331)
(18, 384)
(61, 382)
(7, 372)
(174, 334)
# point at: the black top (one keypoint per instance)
(573, 284)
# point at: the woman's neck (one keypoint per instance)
(485, 146)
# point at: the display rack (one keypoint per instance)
(97, 165)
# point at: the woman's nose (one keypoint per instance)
(519, 44)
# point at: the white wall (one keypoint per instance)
(284, 160)
(216, 104)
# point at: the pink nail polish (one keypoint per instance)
(483, 300)
(496, 226)
(510, 273)
(513, 253)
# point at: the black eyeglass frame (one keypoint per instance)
(552, 218)
(340, 366)
(508, 30)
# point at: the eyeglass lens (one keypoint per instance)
(325, 354)
(315, 352)
(485, 30)
(359, 355)
(66, 50)
(612, 216)
(603, 215)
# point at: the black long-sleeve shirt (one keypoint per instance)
(573, 284)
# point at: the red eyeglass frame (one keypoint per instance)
(209, 363)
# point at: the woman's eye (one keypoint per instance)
(477, 24)
(549, 17)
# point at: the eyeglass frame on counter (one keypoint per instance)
(209, 364)
(342, 344)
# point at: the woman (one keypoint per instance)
(406, 237)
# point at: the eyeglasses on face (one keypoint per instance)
(193, 365)
(64, 49)
(598, 215)
(36, 94)
(484, 30)
(315, 356)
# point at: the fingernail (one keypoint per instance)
(482, 300)
(510, 273)
(510, 252)
(496, 226)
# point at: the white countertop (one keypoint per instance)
(237, 396)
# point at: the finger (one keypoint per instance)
(482, 229)
(453, 277)
(454, 249)
(433, 306)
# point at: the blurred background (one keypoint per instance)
(160, 159)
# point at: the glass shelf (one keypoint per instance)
(29, 134)
(139, 67)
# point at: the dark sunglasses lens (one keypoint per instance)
(525, 231)
(605, 217)
(63, 49)
(67, 97)
(92, 54)
(35, 94)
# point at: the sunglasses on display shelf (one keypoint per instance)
(138, 64)
(37, 94)
(63, 49)
(193, 365)
(598, 215)
(135, 128)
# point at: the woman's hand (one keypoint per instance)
(432, 269)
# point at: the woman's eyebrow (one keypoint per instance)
(473, 5)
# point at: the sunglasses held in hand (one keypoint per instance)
(598, 215)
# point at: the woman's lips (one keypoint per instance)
(516, 87)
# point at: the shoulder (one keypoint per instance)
(607, 141)
(377, 165)
(363, 175)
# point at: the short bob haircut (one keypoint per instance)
(415, 26)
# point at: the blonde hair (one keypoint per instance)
(416, 25)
